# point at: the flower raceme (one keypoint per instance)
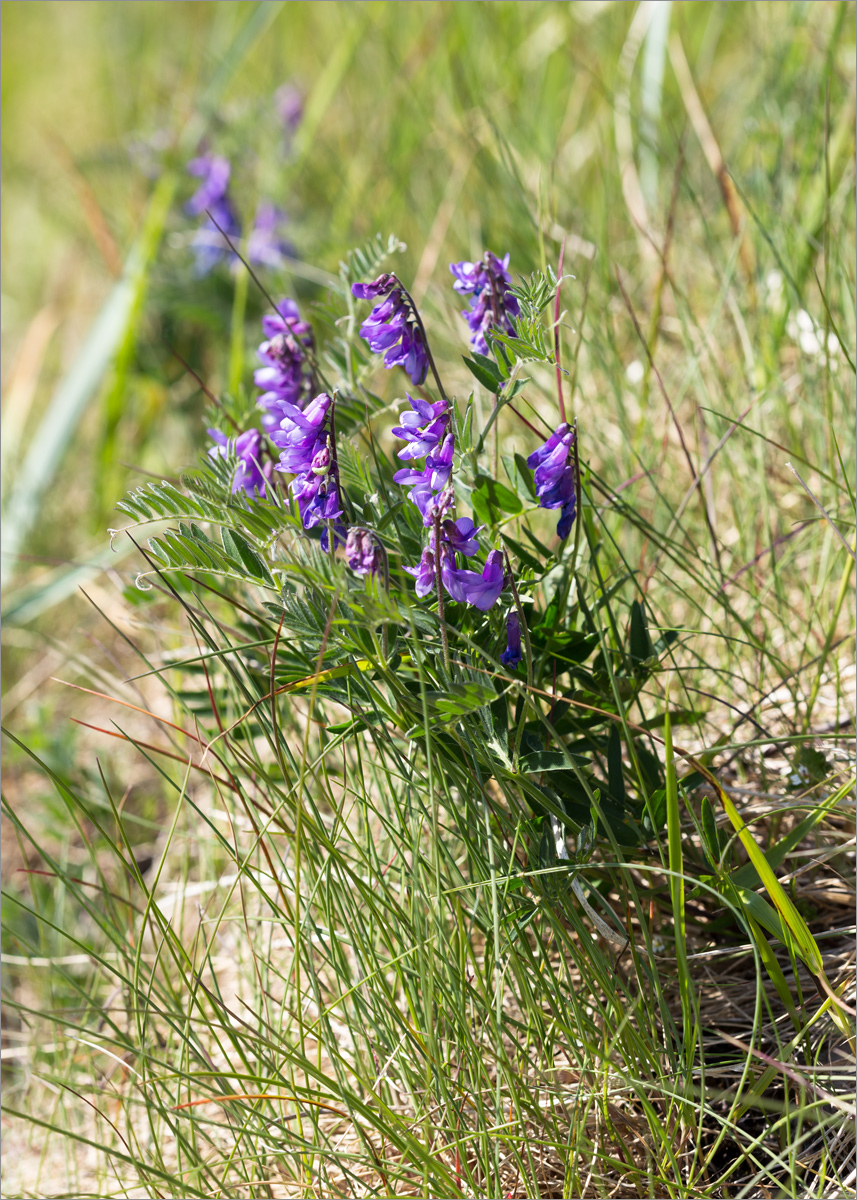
(362, 552)
(492, 305)
(392, 328)
(554, 477)
(308, 452)
(212, 196)
(265, 245)
(284, 375)
(426, 429)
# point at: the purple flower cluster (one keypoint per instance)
(391, 328)
(555, 478)
(487, 283)
(426, 431)
(363, 552)
(212, 196)
(284, 375)
(265, 246)
(308, 452)
(249, 475)
(465, 586)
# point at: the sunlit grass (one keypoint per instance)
(336, 958)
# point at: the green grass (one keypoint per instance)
(345, 966)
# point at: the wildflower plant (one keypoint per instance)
(472, 598)
(382, 605)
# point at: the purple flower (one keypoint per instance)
(290, 107)
(554, 477)
(482, 590)
(249, 475)
(301, 435)
(391, 328)
(487, 283)
(284, 377)
(512, 655)
(450, 576)
(214, 171)
(362, 552)
(371, 291)
(426, 430)
(424, 573)
(438, 508)
(308, 452)
(420, 484)
(461, 536)
(439, 466)
(208, 243)
(265, 246)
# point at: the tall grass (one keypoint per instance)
(267, 949)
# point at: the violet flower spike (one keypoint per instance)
(212, 196)
(554, 477)
(362, 552)
(488, 284)
(461, 536)
(290, 108)
(285, 375)
(424, 573)
(512, 655)
(308, 452)
(392, 328)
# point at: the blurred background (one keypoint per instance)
(697, 160)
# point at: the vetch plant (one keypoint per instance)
(385, 613)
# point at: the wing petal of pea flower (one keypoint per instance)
(554, 477)
(512, 655)
(483, 590)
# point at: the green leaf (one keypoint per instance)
(574, 647)
(485, 372)
(811, 765)
(240, 549)
(526, 475)
(550, 760)
(655, 816)
(709, 832)
(489, 495)
(641, 644)
(389, 515)
(805, 943)
(678, 716)
(523, 555)
(615, 775)
(460, 699)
